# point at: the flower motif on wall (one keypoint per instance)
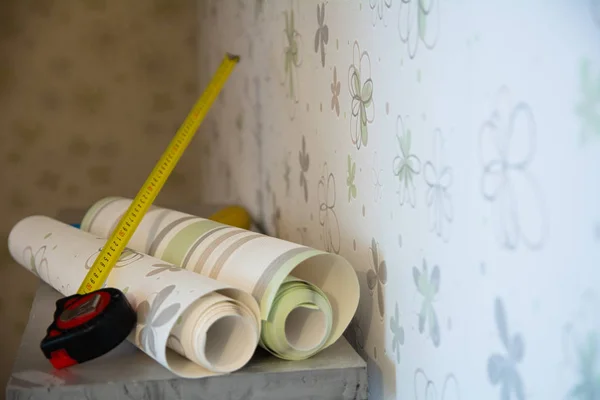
(362, 107)
(335, 93)
(276, 217)
(418, 22)
(426, 389)
(151, 319)
(322, 34)
(377, 277)
(378, 7)
(397, 333)
(502, 368)
(38, 264)
(292, 55)
(286, 174)
(377, 185)
(304, 158)
(428, 286)
(588, 354)
(581, 348)
(588, 108)
(438, 177)
(406, 165)
(507, 146)
(327, 215)
(350, 179)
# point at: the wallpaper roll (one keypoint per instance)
(307, 297)
(193, 325)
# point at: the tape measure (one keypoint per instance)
(94, 321)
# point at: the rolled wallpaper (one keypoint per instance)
(193, 325)
(307, 297)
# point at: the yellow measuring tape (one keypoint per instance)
(117, 242)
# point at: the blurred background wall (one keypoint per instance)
(86, 85)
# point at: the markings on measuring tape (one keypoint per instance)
(123, 232)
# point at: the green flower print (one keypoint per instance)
(588, 387)
(151, 319)
(360, 85)
(502, 368)
(406, 165)
(428, 286)
(292, 58)
(350, 179)
(327, 216)
(588, 108)
(397, 333)
(377, 277)
(418, 22)
(37, 262)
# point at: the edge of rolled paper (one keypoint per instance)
(337, 262)
(340, 320)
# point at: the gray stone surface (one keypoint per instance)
(126, 373)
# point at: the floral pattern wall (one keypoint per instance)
(450, 149)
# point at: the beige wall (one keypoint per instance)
(80, 82)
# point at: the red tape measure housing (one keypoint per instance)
(87, 326)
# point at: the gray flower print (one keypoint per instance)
(276, 217)
(304, 158)
(362, 107)
(151, 319)
(292, 55)
(127, 257)
(322, 35)
(397, 333)
(406, 165)
(38, 264)
(378, 7)
(426, 389)
(160, 268)
(418, 22)
(287, 169)
(335, 93)
(377, 277)
(507, 147)
(502, 368)
(377, 185)
(327, 215)
(428, 286)
(438, 177)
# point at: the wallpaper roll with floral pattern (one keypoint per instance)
(178, 312)
(450, 150)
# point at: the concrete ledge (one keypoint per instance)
(127, 373)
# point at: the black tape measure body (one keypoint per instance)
(86, 326)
